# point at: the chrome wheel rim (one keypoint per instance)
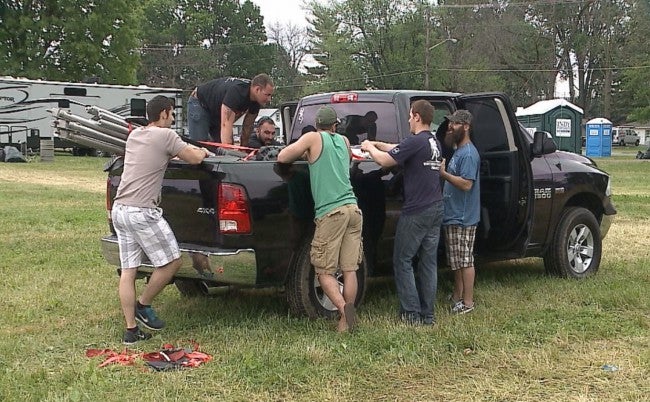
(322, 298)
(580, 248)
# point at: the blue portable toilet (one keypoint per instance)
(599, 137)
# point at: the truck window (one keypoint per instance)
(359, 121)
(488, 130)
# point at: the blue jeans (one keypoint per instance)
(198, 120)
(417, 235)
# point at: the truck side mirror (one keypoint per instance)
(543, 144)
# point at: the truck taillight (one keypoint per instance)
(349, 97)
(109, 200)
(234, 216)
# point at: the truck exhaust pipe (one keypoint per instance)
(211, 289)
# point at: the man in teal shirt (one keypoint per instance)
(337, 239)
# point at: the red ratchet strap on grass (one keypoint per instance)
(125, 358)
(168, 358)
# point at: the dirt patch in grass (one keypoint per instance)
(82, 183)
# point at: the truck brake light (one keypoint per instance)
(350, 97)
(109, 201)
(234, 215)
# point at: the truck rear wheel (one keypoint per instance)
(576, 247)
(304, 293)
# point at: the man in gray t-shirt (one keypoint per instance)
(138, 220)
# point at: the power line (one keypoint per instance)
(467, 70)
(525, 4)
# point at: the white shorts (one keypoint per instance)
(143, 230)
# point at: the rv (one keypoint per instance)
(24, 119)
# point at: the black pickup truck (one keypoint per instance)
(247, 222)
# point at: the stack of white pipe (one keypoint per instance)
(106, 131)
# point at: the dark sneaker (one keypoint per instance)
(427, 320)
(457, 307)
(148, 318)
(462, 308)
(131, 337)
(410, 319)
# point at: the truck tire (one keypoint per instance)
(576, 247)
(304, 294)
(189, 287)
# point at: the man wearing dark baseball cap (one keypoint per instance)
(460, 116)
(461, 195)
(337, 239)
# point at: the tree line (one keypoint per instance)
(597, 47)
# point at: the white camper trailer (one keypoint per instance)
(23, 107)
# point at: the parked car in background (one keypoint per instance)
(625, 136)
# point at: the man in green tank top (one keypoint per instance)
(337, 239)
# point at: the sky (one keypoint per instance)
(282, 11)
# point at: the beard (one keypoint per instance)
(454, 136)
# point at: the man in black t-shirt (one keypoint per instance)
(214, 106)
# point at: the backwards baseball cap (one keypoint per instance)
(326, 115)
(460, 116)
(264, 119)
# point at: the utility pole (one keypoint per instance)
(427, 53)
(428, 47)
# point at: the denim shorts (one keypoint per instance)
(337, 240)
(143, 231)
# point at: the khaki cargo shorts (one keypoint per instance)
(337, 240)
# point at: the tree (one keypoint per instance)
(373, 43)
(291, 47)
(69, 40)
(634, 97)
(192, 41)
(588, 36)
(331, 48)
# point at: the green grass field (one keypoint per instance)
(532, 337)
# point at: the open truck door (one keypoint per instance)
(287, 112)
(505, 174)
